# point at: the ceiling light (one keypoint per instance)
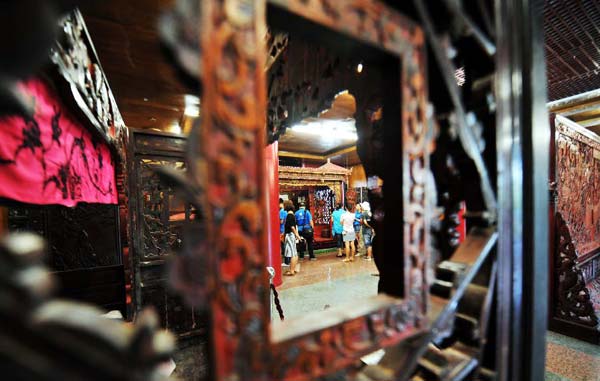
(329, 129)
(192, 106)
(175, 128)
(359, 68)
(192, 111)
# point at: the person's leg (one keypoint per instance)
(361, 244)
(368, 236)
(351, 245)
(301, 246)
(339, 243)
(357, 242)
(310, 243)
(347, 250)
(293, 265)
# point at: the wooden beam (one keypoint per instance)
(342, 151)
(300, 155)
(308, 156)
(575, 100)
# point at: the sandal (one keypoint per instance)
(289, 273)
(345, 260)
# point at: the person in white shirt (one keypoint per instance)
(347, 221)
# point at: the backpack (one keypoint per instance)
(300, 217)
(303, 219)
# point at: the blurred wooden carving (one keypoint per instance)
(225, 161)
(42, 338)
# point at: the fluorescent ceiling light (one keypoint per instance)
(192, 106)
(328, 129)
(175, 128)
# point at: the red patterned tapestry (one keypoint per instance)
(578, 183)
(51, 158)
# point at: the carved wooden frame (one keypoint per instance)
(231, 172)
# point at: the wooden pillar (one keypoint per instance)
(272, 178)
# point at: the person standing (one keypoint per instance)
(337, 229)
(347, 220)
(291, 237)
(358, 243)
(282, 216)
(306, 228)
(367, 230)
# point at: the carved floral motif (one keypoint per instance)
(578, 185)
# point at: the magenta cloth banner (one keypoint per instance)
(51, 158)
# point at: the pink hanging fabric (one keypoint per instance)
(51, 158)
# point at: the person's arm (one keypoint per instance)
(295, 231)
(366, 223)
(312, 224)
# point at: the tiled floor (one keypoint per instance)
(568, 359)
(325, 283)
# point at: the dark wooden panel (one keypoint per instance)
(84, 249)
(102, 286)
(85, 236)
(153, 144)
(157, 217)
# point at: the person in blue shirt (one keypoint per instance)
(357, 226)
(282, 216)
(306, 228)
(336, 227)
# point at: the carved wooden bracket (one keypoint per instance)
(573, 298)
(77, 63)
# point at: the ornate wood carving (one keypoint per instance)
(160, 236)
(78, 64)
(230, 170)
(159, 220)
(572, 297)
(324, 350)
(276, 44)
(578, 183)
(312, 176)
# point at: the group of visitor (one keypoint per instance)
(352, 230)
(297, 229)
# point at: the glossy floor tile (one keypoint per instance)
(568, 359)
(326, 283)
